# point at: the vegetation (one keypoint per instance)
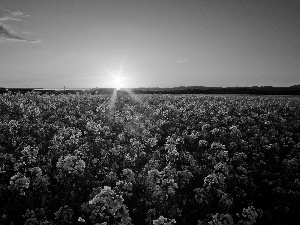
(151, 159)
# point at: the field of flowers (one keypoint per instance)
(149, 159)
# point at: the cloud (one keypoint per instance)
(7, 34)
(6, 15)
(182, 61)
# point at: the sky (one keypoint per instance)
(149, 43)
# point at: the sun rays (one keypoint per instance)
(117, 80)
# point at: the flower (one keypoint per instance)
(81, 220)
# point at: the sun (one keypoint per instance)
(117, 81)
(116, 78)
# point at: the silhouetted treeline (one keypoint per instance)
(47, 91)
(263, 90)
(220, 90)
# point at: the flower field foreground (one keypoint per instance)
(153, 159)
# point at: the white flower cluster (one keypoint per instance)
(71, 164)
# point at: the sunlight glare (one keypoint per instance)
(118, 81)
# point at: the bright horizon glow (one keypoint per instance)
(116, 79)
(117, 82)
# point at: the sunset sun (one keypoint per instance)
(117, 82)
